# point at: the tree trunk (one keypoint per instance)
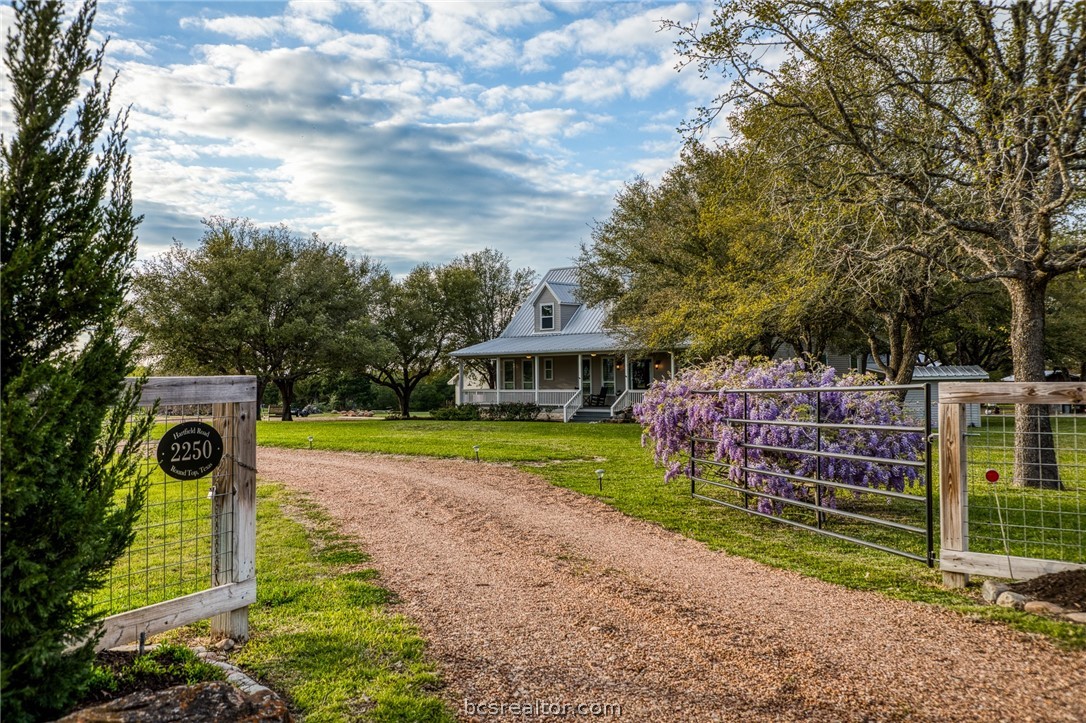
(286, 390)
(404, 395)
(261, 385)
(1035, 463)
(912, 331)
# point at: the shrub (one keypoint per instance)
(461, 413)
(671, 414)
(69, 454)
(513, 412)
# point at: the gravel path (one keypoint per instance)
(530, 592)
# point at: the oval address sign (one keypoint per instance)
(190, 450)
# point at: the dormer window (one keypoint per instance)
(546, 317)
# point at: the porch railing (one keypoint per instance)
(628, 398)
(542, 397)
(570, 408)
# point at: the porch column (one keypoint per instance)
(580, 367)
(500, 381)
(626, 371)
(460, 383)
(535, 376)
(672, 363)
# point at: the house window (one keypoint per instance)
(546, 317)
(527, 374)
(548, 369)
(509, 373)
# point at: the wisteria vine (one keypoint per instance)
(671, 414)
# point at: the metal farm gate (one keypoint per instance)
(799, 456)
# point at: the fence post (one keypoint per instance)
(234, 511)
(953, 492)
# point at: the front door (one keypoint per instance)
(641, 373)
(586, 375)
(609, 376)
(527, 377)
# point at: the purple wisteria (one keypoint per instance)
(672, 414)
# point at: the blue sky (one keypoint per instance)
(409, 131)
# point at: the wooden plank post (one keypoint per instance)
(234, 512)
(953, 492)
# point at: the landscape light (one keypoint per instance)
(311, 441)
(599, 476)
(476, 448)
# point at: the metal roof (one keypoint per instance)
(950, 372)
(563, 275)
(565, 293)
(583, 332)
(561, 343)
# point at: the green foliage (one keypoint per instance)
(71, 485)
(1065, 339)
(253, 301)
(482, 293)
(337, 390)
(434, 392)
(163, 666)
(512, 412)
(706, 258)
(504, 412)
(410, 330)
(963, 121)
(459, 413)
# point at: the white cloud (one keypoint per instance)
(316, 9)
(594, 84)
(519, 97)
(607, 35)
(130, 48)
(359, 46)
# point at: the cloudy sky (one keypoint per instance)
(409, 131)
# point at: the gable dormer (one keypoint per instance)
(548, 315)
(555, 305)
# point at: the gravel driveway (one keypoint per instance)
(528, 592)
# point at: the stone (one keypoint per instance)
(1011, 600)
(991, 590)
(1040, 607)
(1076, 617)
(224, 644)
(202, 703)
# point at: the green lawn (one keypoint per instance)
(1035, 523)
(171, 555)
(568, 454)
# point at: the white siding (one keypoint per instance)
(914, 404)
(842, 363)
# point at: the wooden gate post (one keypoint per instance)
(953, 493)
(234, 512)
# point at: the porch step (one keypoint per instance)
(591, 414)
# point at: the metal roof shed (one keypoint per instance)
(935, 375)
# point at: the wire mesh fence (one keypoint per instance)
(179, 547)
(1026, 477)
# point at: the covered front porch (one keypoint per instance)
(568, 382)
